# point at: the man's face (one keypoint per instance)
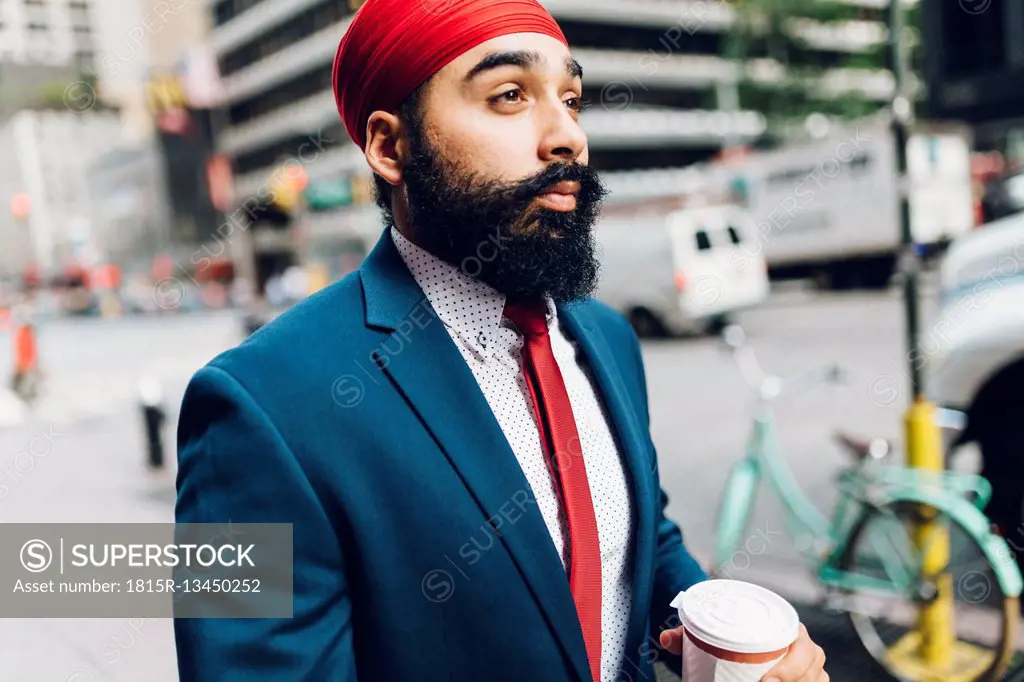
(496, 175)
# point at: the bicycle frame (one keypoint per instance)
(913, 557)
(861, 492)
(763, 461)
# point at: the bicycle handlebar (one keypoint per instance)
(769, 386)
(826, 374)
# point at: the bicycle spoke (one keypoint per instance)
(892, 608)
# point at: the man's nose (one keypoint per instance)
(562, 138)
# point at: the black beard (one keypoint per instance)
(495, 233)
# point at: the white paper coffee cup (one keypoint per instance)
(734, 631)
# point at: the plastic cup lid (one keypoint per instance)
(738, 616)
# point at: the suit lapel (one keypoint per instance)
(637, 455)
(421, 359)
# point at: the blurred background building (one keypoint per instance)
(974, 68)
(51, 207)
(129, 87)
(132, 211)
(230, 157)
(48, 32)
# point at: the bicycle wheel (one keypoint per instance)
(882, 547)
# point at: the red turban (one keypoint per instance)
(393, 46)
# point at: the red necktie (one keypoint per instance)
(559, 435)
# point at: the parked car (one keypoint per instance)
(1003, 196)
(684, 270)
(975, 352)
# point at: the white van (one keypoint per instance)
(681, 271)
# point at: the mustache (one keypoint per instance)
(560, 172)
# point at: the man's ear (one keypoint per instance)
(385, 146)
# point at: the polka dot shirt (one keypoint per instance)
(472, 313)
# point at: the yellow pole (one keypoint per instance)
(924, 443)
(935, 621)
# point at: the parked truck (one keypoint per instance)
(829, 209)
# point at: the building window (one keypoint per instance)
(664, 156)
(656, 43)
(37, 27)
(37, 3)
(297, 28)
(226, 10)
(690, 97)
(78, 4)
(287, 150)
(82, 29)
(306, 85)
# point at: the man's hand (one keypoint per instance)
(804, 662)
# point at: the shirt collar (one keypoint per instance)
(451, 290)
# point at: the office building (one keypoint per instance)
(48, 31)
(48, 216)
(96, 43)
(130, 207)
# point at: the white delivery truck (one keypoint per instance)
(829, 209)
(681, 270)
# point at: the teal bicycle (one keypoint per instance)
(908, 556)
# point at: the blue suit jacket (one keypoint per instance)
(420, 553)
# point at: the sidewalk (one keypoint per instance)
(85, 471)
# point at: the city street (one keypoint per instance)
(177, 173)
(94, 470)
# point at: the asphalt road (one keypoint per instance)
(701, 407)
(93, 471)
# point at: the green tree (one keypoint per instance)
(80, 95)
(771, 29)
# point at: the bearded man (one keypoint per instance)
(458, 433)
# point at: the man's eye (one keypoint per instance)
(577, 104)
(509, 96)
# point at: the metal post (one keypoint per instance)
(154, 415)
(934, 641)
(902, 119)
(728, 93)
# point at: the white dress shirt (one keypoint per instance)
(472, 313)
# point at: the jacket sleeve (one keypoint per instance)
(675, 569)
(234, 465)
